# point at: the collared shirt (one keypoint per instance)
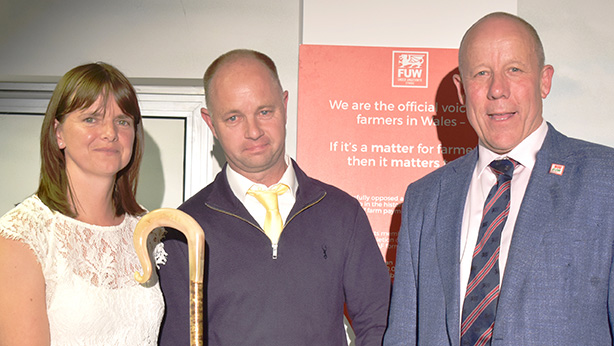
(240, 184)
(482, 181)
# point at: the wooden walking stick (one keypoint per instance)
(177, 219)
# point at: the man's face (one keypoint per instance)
(247, 114)
(501, 83)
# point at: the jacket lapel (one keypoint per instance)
(534, 215)
(449, 217)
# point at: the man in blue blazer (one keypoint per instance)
(555, 257)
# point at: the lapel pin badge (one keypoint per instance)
(557, 169)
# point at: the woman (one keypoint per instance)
(66, 257)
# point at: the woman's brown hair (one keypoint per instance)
(78, 89)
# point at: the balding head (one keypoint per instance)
(487, 21)
(234, 56)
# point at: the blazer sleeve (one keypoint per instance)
(403, 306)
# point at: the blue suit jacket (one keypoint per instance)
(558, 286)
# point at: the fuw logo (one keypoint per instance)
(410, 69)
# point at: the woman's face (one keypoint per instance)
(97, 141)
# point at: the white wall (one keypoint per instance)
(172, 42)
(578, 38)
(151, 41)
(394, 23)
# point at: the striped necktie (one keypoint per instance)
(481, 298)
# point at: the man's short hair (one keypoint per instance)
(232, 56)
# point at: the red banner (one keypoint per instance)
(371, 120)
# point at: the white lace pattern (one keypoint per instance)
(92, 297)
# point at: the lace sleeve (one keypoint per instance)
(28, 223)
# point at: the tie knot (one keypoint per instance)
(503, 168)
(268, 197)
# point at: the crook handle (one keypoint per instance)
(179, 220)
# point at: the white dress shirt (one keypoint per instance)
(240, 184)
(482, 181)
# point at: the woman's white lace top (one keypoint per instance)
(92, 296)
